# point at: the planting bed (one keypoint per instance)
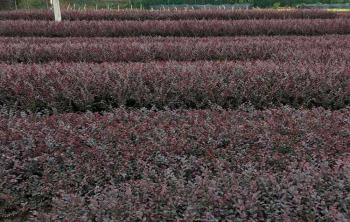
(98, 87)
(209, 115)
(195, 28)
(170, 15)
(39, 50)
(280, 164)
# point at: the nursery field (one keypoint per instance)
(207, 115)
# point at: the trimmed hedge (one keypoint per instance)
(279, 164)
(39, 50)
(168, 15)
(190, 28)
(97, 87)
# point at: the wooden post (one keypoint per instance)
(57, 10)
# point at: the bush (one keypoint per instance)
(39, 50)
(168, 15)
(81, 87)
(273, 165)
(190, 28)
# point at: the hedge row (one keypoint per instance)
(190, 28)
(39, 50)
(343, 15)
(97, 87)
(273, 165)
(168, 15)
(331, 40)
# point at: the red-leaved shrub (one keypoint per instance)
(182, 129)
(190, 28)
(169, 15)
(276, 165)
(320, 49)
(96, 87)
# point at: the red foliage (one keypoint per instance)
(162, 163)
(273, 165)
(86, 86)
(169, 15)
(315, 49)
(190, 28)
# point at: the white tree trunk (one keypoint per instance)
(57, 10)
